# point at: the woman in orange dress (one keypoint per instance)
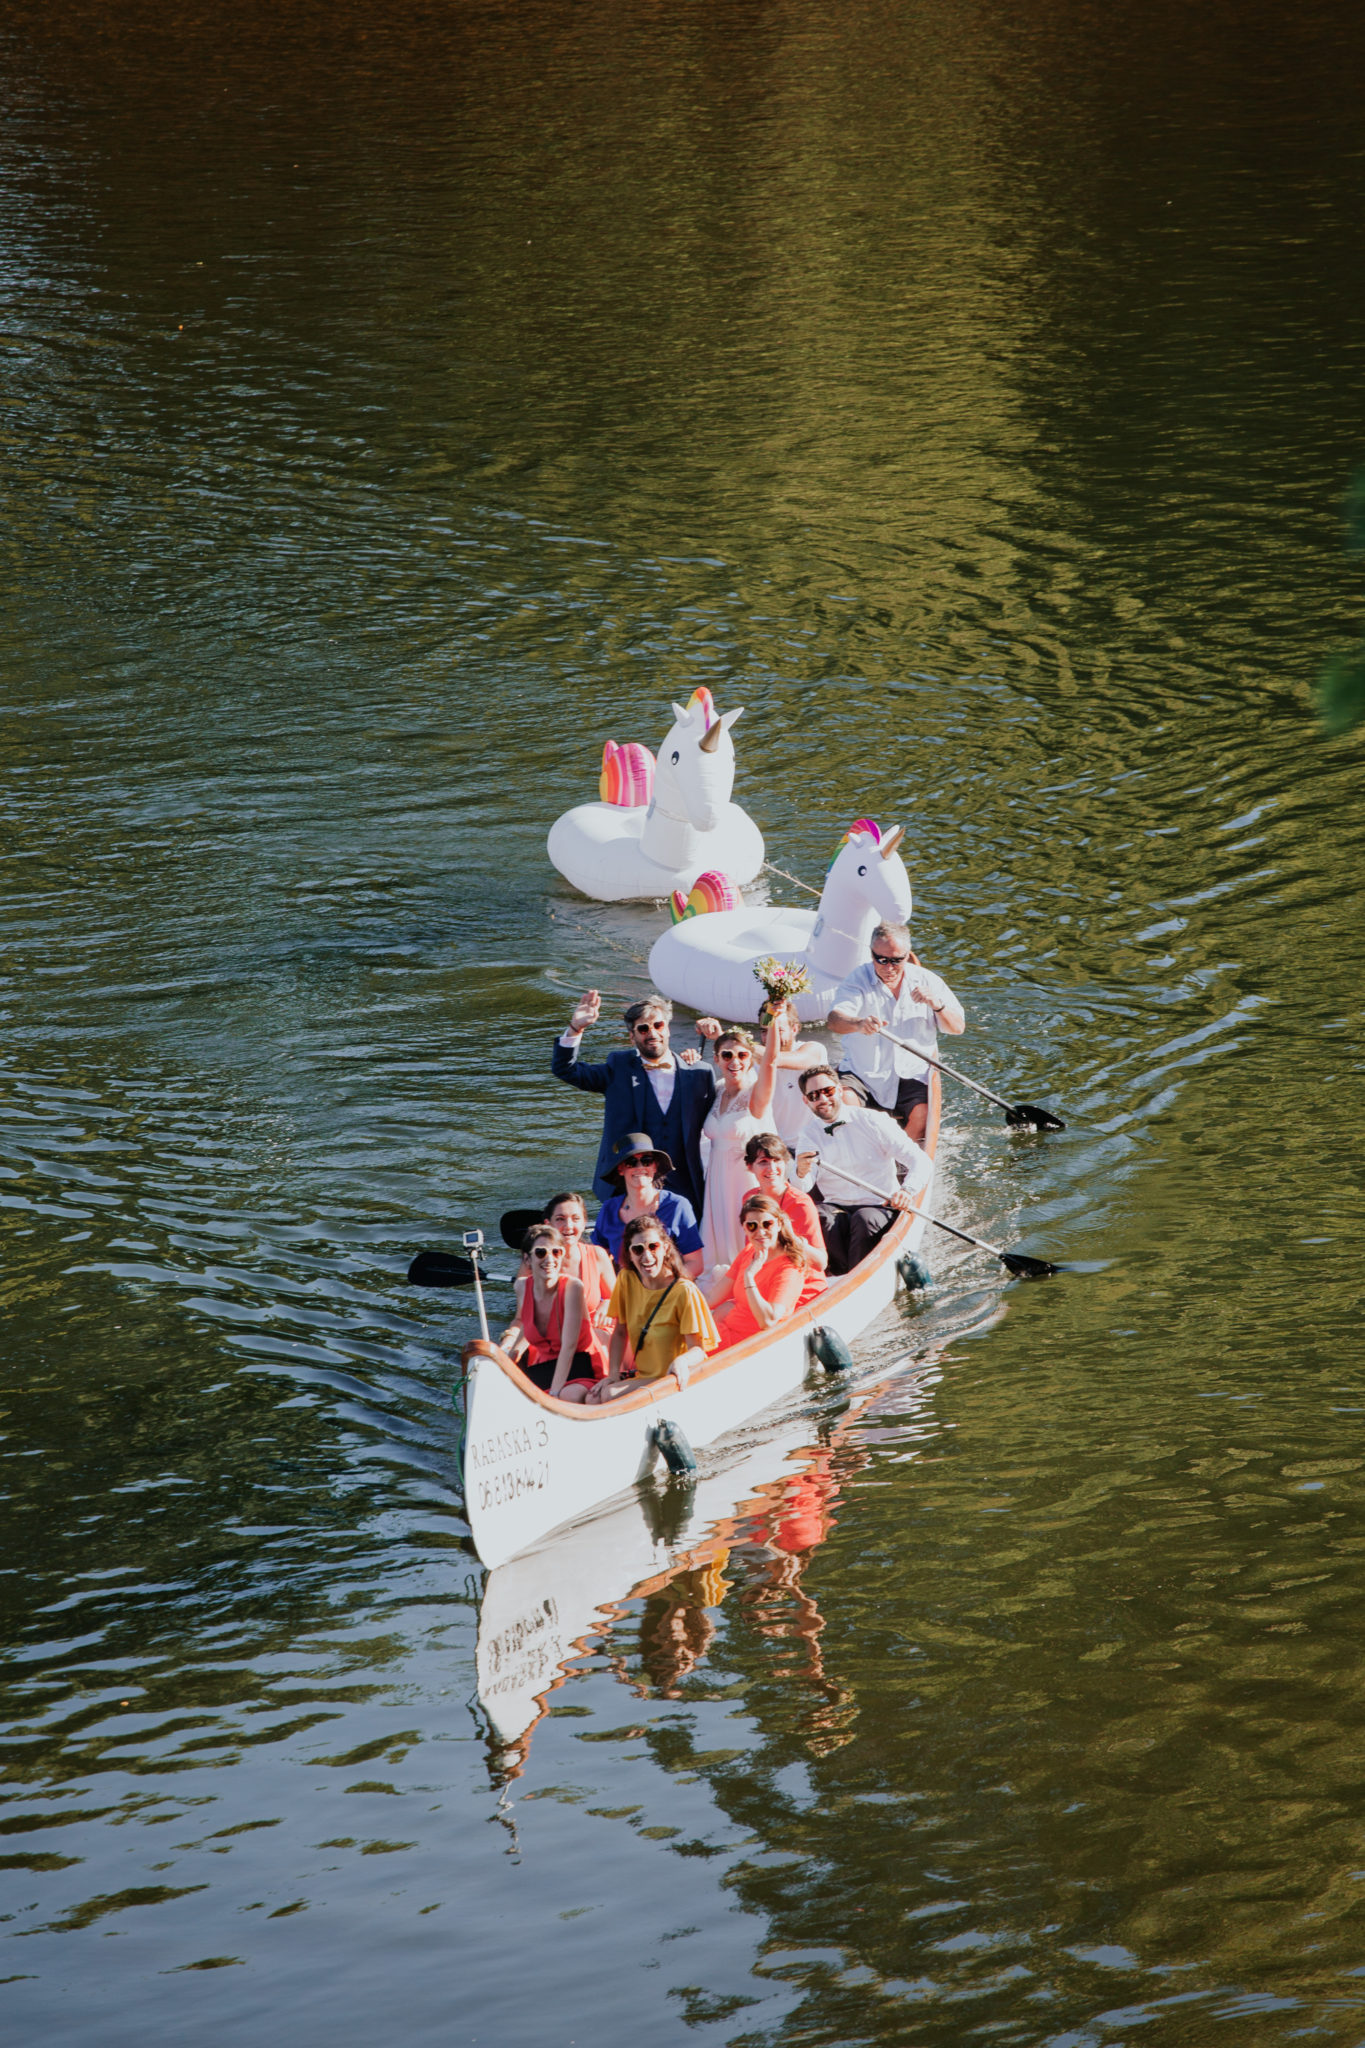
(773, 1276)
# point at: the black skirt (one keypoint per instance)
(541, 1375)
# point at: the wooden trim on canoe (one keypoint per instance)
(809, 1318)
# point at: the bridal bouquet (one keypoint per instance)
(781, 979)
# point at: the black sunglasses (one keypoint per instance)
(890, 959)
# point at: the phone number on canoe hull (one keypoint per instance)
(505, 1487)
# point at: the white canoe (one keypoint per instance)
(533, 1465)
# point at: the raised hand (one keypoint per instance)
(586, 1011)
(708, 1027)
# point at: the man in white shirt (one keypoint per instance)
(892, 992)
(871, 1146)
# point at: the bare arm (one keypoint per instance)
(761, 1101)
(949, 1015)
(800, 1057)
(841, 1024)
(616, 1355)
(766, 1313)
(513, 1340)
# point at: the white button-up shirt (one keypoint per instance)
(868, 1144)
(874, 1059)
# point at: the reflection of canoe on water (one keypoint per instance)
(538, 1608)
(533, 1464)
(543, 1609)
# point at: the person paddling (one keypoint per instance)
(892, 992)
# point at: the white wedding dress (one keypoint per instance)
(728, 1179)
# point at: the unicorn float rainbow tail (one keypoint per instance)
(627, 774)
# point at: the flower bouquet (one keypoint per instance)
(782, 981)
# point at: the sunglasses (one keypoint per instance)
(890, 959)
(734, 1052)
(760, 1223)
(641, 1159)
(819, 1094)
(547, 1251)
(646, 1244)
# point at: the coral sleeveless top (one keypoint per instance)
(542, 1346)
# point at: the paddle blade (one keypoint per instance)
(1027, 1115)
(1024, 1268)
(515, 1224)
(440, 1269)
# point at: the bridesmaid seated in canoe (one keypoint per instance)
(551, 1338)
(662, 1321)
(639, 1173)
(767, 1159)
(587, 1263)
(773, 1276)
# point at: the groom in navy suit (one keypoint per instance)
(646, 1089)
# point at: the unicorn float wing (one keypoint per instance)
(661, 822)
(707, 960)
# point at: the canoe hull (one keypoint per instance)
(533, 1465)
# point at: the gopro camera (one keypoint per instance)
(473, 1240)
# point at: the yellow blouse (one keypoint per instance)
(683, 1320)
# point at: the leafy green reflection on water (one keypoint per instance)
(399, 402)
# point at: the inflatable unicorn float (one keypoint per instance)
(707, 957)
(660, 824)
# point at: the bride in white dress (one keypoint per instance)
(742, 1107)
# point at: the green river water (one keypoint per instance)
(397, 402)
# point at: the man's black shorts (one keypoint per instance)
(909, 1095)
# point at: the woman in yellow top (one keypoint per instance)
(659, 1312)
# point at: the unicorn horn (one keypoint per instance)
(889, 845)
(712, 740)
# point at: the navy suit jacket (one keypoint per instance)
(632, 1105)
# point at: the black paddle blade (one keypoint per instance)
(1024, 1268)
(440, 1269)
(515, 1224)
(1027, 1114)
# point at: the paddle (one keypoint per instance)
(1016, 1113)
(515, 1224)
(447, 1269)
(1020, 1264)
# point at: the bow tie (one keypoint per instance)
(657, 1066)
(830, 1129)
